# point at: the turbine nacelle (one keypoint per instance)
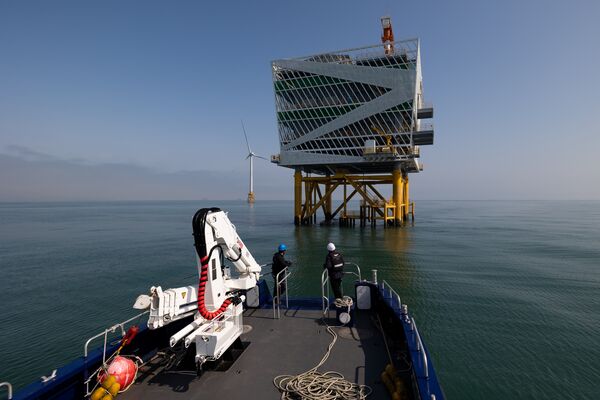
(252, 154)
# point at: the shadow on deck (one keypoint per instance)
(290, 345)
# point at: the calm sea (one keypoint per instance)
(506, 294)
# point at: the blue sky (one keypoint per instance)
(160, 87)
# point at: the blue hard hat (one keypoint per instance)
(282, 247)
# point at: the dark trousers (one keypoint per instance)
(336, 285)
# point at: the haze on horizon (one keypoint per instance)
(142, 100)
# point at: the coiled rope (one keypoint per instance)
(316, 385)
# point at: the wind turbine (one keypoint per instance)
(250, 156)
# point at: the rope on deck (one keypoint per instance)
(320, 385)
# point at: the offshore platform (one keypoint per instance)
(351, 121)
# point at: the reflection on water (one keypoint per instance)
(506, 297)
(370, 248)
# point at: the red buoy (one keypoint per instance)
(124, 371)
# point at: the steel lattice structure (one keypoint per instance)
(356, 110)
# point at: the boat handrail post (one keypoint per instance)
(420, 348)
(325, 292)
(105, 333)
(374, 276)
(8, 388)
(392, 293)
(357, 274)
(325, 286)
(276, 302)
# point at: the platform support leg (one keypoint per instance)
(397, 195)
(298, 197)
(405, 199)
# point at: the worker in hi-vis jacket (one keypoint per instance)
(334, 263)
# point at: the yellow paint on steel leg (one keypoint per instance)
(405, 199)
(397, 195)
(374, 206)
(297, 196)
(251, 197)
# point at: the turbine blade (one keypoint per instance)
(246, 136)
(264, 158)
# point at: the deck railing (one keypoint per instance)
(105, 333)
(325, 286)
(392, 292)
(112, 329)
(420, 348)
(357, 273)
(8, 388)
(278, 281)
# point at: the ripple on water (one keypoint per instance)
(506, 297)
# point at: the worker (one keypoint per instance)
(334, 263)
(279, 264)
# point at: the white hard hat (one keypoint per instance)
(331, 247)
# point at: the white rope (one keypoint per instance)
(316, 385)
(345, 301)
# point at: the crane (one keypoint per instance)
(389, 147)
(218, 296)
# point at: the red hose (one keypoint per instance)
(201, 290)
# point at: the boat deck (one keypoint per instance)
(290, 345)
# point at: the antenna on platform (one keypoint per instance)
(250, 156)
(388, 35)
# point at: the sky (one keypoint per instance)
(142, 100)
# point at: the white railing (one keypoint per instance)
(408, 46)
(105, 333)
(392, 293)
(325, 293)
(357, 273)
(420, 348)
(413, 326)
(325, 286)
(8, 388)
(278, 281)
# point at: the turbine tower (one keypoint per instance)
(250, 156)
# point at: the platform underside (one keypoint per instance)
(378, 166)
(290, 345)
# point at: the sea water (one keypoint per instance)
(506, 294)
